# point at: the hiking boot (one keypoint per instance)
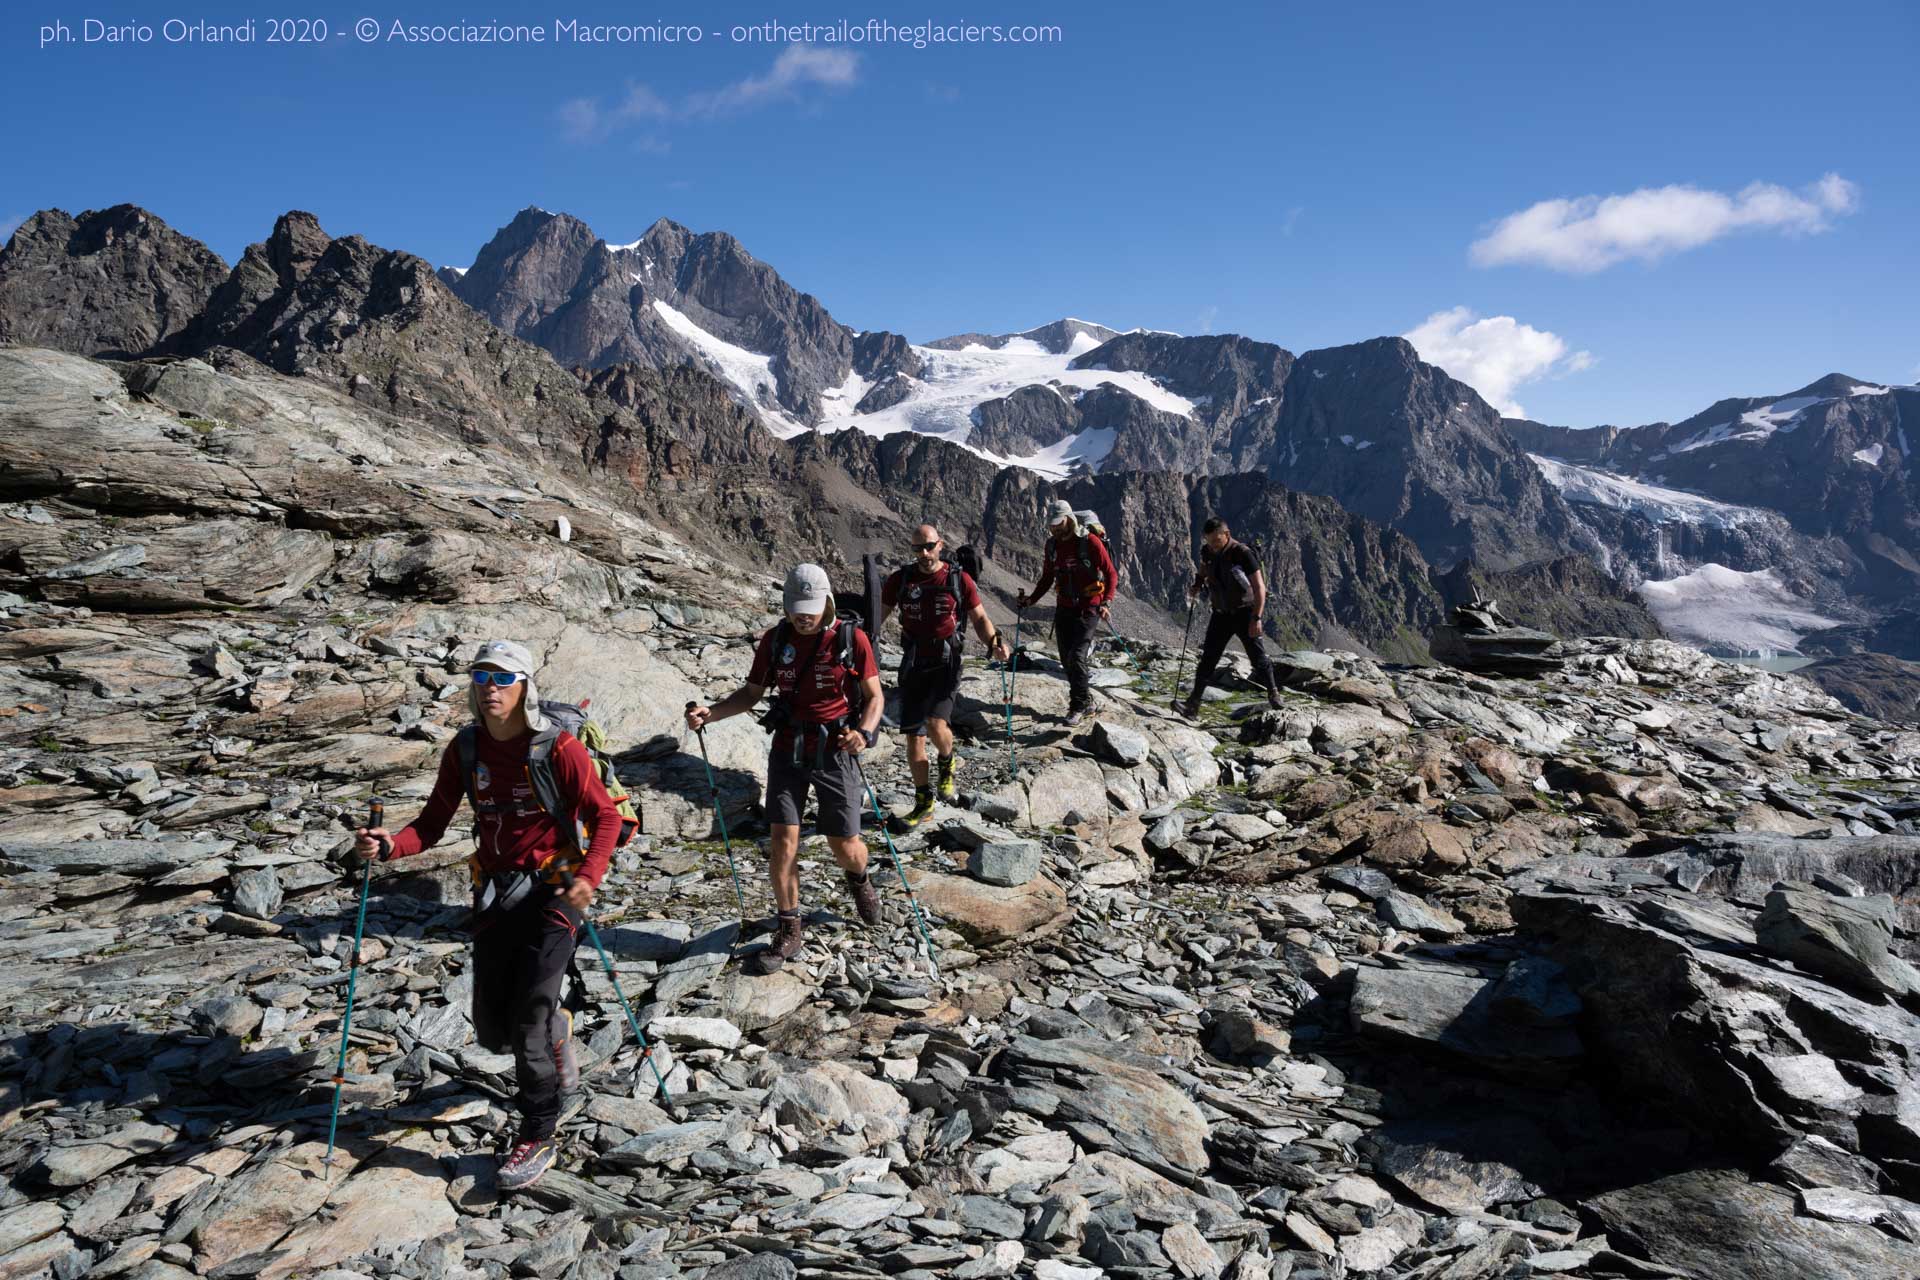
(866, 899)
(564, 1062)
(788, 935)
(943, 786)
(922, 807)
(526, 1162)
(1273, 699)
(1078, 716)
(1189, 709)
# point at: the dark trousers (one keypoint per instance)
(1074, 631)
(519, 960)
(1222, 627)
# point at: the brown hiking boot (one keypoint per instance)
(789, 933)
(866, 900)
(1189, 709)
(1273, 699)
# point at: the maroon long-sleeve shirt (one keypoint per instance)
(518, 835)
(1075, 588)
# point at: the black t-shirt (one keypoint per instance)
(1230, 575)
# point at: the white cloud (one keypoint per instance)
(1494, 355)
(797, 68)
(1591, 233)
(10, 225)
(1208, 314)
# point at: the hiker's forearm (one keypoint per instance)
(739, 701)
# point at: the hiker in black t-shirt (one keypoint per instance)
(1231, 573)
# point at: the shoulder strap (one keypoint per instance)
(468, 744)
(954, 589)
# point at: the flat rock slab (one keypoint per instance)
(1116, 1098)
(987, 914)
(396, 1202)
(1717, 1225)
(126, 857)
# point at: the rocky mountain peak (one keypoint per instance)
(113, 282)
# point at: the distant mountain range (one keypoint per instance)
(1744, 528)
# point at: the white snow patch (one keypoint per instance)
(1733, 614)
(634, 276)
(1364, 444)
(1056, 461)
(952, 384)
(623, 248)
(1865, 390)
(1082, 343)
(1754, 424)
(1660, 505)
(750, 373)
(1871, 455)
(458, 271)
(1319, 373)
(1904, 451)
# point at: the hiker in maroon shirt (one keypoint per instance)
(815, 666)
(524, 920)
(932, 597)
(1081, 572)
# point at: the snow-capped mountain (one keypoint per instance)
(1760, 520)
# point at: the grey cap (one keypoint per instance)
(806, 590)
(1057, 510)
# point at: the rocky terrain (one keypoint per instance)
(1602, 973)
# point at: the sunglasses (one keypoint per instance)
(925, 546)
(503, 678)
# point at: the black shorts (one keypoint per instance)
(927, 693)
(837, 790)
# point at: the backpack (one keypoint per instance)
(969, 561)
(1090, 528)
(567, 717)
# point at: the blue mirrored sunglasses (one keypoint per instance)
(497, 677)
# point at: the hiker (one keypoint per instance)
(932, 597)
(1081, 572)
(817, 667)
(1230, 572)
(524, 922)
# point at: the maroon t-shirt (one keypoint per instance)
(807, 673)
(925, 603)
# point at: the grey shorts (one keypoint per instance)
(837, 791)
(927, 694)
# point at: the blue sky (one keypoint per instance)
(1288, 171)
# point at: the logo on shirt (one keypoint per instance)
(482, 778)
(913, 593)
(787, 654)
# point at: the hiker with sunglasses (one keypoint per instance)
(932, 597)
(1076, 564)
(826, 711)
(524, 921)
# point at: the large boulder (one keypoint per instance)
(987, 914)
(1685, 1008)
(1110, 1098)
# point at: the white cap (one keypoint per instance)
(1057, 510)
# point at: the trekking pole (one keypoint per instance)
(899, 870)
(1007, 679)
(606, 962)
(1181, 661)
(720, 816)
(376, 818)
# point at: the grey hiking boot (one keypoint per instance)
(789, 934)
(526, 1162)
(1078, 716)
(866, 900)
(564, 1062)
(1189, 709)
